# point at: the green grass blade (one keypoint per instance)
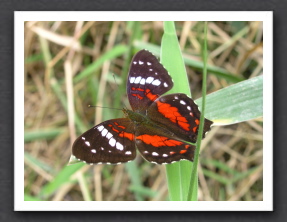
(216, 176)
(42, 134)
(28, 197)
(62, 178)
(230, 179)
(113, 53)
(178, 174)
(192, 194)
(220, 165)
(245, 174)
(144, 191)
(237, 103)
(34, 58)
(134, 173)
(38, 163)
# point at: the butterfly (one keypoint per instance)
(158, 126)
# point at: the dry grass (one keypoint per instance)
(56, 52)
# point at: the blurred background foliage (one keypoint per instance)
(69, 65)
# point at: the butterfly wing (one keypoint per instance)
(179, 114)
(159, 146)
(109, 142)
(147, 80)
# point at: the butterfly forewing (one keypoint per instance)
(109, 142)
(147, 80)
(179, 114)
(160, 147)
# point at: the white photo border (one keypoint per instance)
(20, 17)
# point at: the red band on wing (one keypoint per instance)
(137, 95)
(158, 140)
(122, 127)
(150, 96)
(182, 151)
(137, 89)
(114, 129)
(173, 115)
(129, 136)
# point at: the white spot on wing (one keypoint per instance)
(93, 151)
(154, 154)
(188, 107)
(119, 146)
(176, 97)
(156, 82)
(149, 79)
(148, 63)
(134, 62)
(104, 132)
(132, 79)
(182, 102)
(83, 138)
(138, 79)
(109, 135)
(164, 155)
(150, 69)
(102, 148)
(100, 128)
(88, 143)
(142, 82)
(112, 142)
(140, 62)
(128, 153)
(145, 151)
(165, 84)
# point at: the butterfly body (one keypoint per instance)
(160, 127)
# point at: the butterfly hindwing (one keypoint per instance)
(179, 114)
(147, 80)
(160, 147)
(111, 141)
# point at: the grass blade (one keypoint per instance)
(237, 103)
(113, 53)
(192, 194)
(42, 134)
(178, 174)
(60, 179)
